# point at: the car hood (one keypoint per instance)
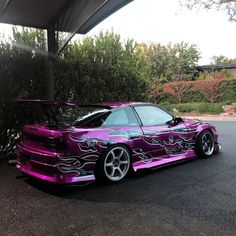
(191, 121)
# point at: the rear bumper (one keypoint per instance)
(57, 178)
(45, 167)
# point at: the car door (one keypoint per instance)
(162, 138)
(123, 127)
(183, 140)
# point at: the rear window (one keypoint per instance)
(118, 117)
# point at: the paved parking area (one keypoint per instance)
(194, 198)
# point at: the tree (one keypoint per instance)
(102, 65)
(21, 75)
(212, 89)
(177, 89)
(155, 91)
(173, 62)
(99, 68)
(222, 60)
(227, 5)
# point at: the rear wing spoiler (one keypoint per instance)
(45, 102)
(47, 107)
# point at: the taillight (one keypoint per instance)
(55, 144)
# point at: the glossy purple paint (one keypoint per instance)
(78, 149)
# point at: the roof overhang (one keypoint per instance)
(70, 16)
(76, 16)
(217, 67)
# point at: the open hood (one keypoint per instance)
(45, 111)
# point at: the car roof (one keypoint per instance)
(119, 104)
(108, 105)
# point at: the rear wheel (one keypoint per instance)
(205, 144)
(113, 165)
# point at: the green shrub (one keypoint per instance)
(214, 90)
(193, 96)
(185, 108)
(198, 108)
(167, 107)
(210, 108)
(229, 91)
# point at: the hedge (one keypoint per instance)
(198, 108)
(223, 90)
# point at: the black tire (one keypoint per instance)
(205, 144)
(217, 149)
(110, 168)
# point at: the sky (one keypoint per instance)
(165, 21)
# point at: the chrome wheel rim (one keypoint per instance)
(116, 164)
(207, 144)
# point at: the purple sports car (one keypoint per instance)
(106, 141)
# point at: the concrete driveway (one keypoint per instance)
(193, 198)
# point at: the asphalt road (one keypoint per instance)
(193, 198)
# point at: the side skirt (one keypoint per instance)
(164, 161)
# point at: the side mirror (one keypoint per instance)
(178, 120)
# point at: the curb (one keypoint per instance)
(211, 118)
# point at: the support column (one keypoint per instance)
(52, 48)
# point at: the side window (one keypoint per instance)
(152, 115)
(121, 117)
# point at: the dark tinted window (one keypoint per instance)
(152, 115)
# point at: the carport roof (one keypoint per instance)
(70, 16)
(75, 16)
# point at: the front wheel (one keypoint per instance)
(113, 165)
(205, 144)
